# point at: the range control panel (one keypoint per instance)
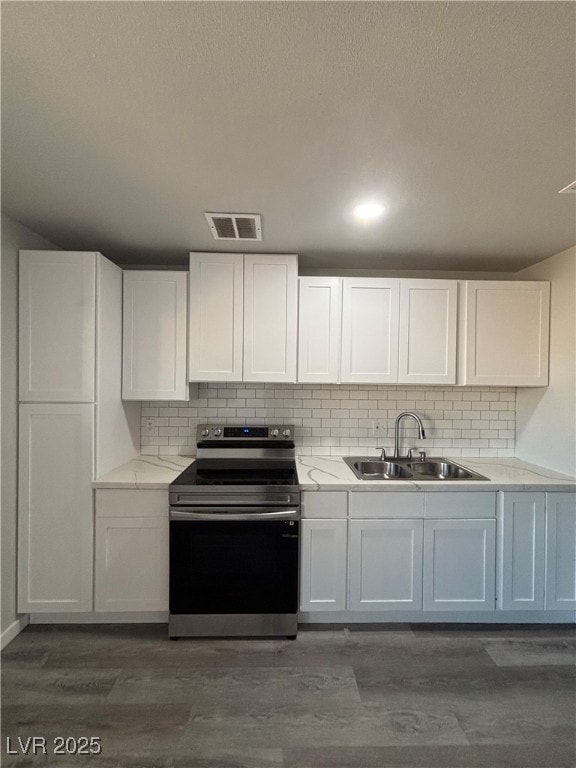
(277, 432)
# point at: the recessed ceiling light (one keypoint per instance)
(368, 211)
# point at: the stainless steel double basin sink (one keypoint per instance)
(366, 468)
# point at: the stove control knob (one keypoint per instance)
(205, 432)
(286, 433)
(217, 432)
(274, 433)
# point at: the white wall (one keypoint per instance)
(546, 416)
(14, 237)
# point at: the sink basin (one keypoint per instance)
(443, 470)
(385, 470)
(368, 468)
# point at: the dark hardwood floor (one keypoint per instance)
(394, 696)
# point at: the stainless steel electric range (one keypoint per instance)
(234, 535)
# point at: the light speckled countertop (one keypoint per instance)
(145, 472)
(331, 473)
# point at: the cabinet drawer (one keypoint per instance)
(461, 504)
(327, 504)
(131, 503)
(386, 504)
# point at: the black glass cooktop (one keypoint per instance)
(238, 472)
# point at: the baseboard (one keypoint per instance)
(14, 630)
(124, 617)
(437, 617)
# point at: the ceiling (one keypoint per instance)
(123, 122)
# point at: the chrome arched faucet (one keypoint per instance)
(421, 430)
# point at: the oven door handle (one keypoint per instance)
(211, 514)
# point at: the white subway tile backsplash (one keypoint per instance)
(332, 420)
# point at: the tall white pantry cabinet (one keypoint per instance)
(72, 422)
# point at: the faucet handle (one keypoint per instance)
(421, 454)
(383, 456)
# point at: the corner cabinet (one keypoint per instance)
(154, 336)
(504, 328)
(243, 317)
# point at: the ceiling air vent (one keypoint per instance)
(235, 226)
(569, 188)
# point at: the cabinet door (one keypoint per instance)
(57, 326)
(521, 551)
(385, 565)
(55, 508)
(459, 565)
(428, 322)
(505, 333)
(154, 336)
(369, 330)
(319, 323)
(560, 551)
(323, 565)
(270, 314)
(131, 564)
(216, 316)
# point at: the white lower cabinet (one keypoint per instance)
(537, 551)
(131, 561)
(521, 551)
(55, 542)
(560, 551)
(459, 565)
(323, 564)
(385, 564)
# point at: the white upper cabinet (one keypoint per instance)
(370, 330)
(154, 336)
(270, 317)
(57, 326)
(216, 316)
(428, 325)
(319, 326)
(243, 317)
(504, 333)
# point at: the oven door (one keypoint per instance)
(232, 562)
